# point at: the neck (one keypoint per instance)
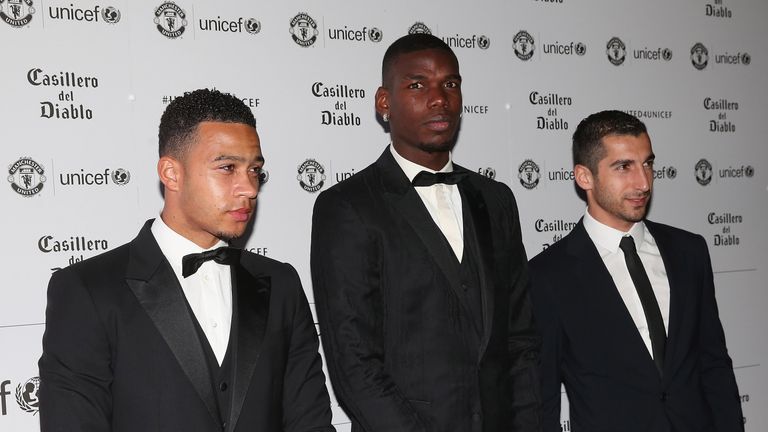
(433, 160)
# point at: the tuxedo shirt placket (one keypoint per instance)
(606, 241)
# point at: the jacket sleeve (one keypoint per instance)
(75, 368)
(548, 323)
(306, 405)
(524, 341)
(346, 277)
(717, 377)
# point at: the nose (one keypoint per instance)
(644, 179)
(247, 185)
(438, 97)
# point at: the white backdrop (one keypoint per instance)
(84, 83)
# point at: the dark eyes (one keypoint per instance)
(448, 84)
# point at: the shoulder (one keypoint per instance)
(107, 265)
(261, 265)
(673, 233)
(557, 255)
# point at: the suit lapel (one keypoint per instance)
(677, 289)
(399, 193)
(252, 293)
(474, 202)
(154, 284)
(595, 278)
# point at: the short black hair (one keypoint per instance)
(408, 44)
(180, 119)
(588, 138)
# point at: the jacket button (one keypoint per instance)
(223, 386)
(476, 417)
(664, 396)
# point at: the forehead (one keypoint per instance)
(626, 147)
(429, 60)
(218, 137)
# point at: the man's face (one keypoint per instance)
(422, 96)
(218, 182)
(619, 193)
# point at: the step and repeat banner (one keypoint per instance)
(83, 84)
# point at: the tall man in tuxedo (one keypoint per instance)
(626, 306)
(174, 331)
(420, 286)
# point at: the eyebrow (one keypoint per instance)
(630, 161)
(236, 158)
(410, 77)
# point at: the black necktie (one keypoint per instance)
(647, 299)
(425, 178)
(223, 255)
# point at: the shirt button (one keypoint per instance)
(214, 324)
(223, 386)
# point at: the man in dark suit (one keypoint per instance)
(420, 286)
(626, 306)
(158, 335)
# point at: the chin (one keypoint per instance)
(437, 147)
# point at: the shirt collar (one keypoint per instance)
(411, 169)
(609, 238)
(174, 246)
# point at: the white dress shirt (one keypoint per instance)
(607, 239)
(429, 195)
(208, 291)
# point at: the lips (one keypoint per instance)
(240, 215)
(439, 123)
(638, 201)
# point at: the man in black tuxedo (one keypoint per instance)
(626, 306)
(158, 335)
(420, 286)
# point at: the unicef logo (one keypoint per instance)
(111, 15)
(488, 172)
(375, 35)
(16, 13)
(524, 45)
(252, 26)
(529, 174)
(26, 177)
(419, 27)
(121, 176)
(671, 172)
(311, 175)
(484, 42)
(580, 49)
(616, 51)
(699, 56)
(703, 171)
(303, 30)
(746, 59)
(171, 20)
(666, 54)
(263, 177)
(26, 395)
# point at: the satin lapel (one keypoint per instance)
(671, 256)
(399, 193)
(252, 303)
(154, 284)
(594, 277)
(474, 202)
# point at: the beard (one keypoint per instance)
(440, 147)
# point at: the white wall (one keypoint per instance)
(138, 69)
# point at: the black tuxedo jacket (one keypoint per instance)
(121, 353)
(591, 343)
(394, 330)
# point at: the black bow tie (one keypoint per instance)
(425, 178)
(223, 255)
